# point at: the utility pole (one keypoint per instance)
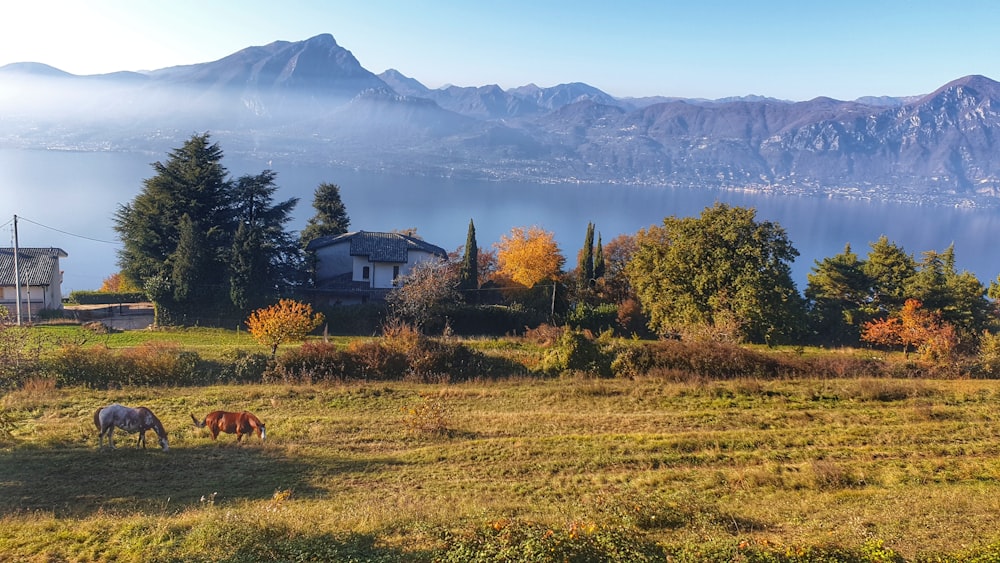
(17, 276)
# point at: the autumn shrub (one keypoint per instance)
(161, 363)
(152, 363)
(429, 416)
(544, 334)
(373, 360)
(311, 362)
(93, 367)
(988, 359)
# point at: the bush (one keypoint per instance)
(313, 361)
(577, 351)
(153, 363)
(241, 366)
(595, 318)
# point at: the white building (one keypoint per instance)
(39, 276)
(359, 266)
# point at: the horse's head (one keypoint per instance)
(263, 432)
(163, 441)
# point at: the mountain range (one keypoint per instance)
(313, 101)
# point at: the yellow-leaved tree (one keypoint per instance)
(286, 321)
(528, 255)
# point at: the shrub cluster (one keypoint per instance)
(153, 363)
(681, 360)
(413, 357)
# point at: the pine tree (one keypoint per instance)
(331, 214)
(469, 277)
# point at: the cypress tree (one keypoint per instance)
(585, 269)
(599, 265)
(469, 278)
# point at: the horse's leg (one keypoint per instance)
(111, 437)
(141, 440)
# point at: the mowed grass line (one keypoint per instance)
(913, 464)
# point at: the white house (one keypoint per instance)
(39, 275)
(362, 265)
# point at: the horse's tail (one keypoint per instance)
(97, 417)
(196, 423)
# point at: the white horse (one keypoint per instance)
(139, 420)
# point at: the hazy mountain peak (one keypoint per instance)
(33, 68)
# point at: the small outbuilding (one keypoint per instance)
(39, 276)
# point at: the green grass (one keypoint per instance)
(849, 469)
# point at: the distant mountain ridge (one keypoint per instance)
(313, 101)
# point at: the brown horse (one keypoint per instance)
(140, 419)
(238, 423)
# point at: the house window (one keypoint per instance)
(395, 272)
(366, 272)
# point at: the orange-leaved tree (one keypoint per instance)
(528, 255)
(286, 321)
(116, 283)
(913, 327)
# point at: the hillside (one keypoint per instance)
(313, 101)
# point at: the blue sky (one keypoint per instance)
(793, 50)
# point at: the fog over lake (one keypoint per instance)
(68, 200)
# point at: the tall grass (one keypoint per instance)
(576, 469)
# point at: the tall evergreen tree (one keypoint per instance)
(890, 269)
(585, 268)
(840, 294)
(599, 265)
(331, 214)
(192, 182)
(469, 274)
(264, 257)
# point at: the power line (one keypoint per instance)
(67, 233)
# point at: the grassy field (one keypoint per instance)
(532, 470)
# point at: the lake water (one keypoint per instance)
(68, 200)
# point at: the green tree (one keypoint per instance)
(585, 266)
(191, 183)
(264, 257)
(599, 266)
(889, 268)
(958, 298)
(468, 280)
(724, 272)
(331, 214)
(839, 293)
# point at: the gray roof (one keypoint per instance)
(379, 247)
(37, 265)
